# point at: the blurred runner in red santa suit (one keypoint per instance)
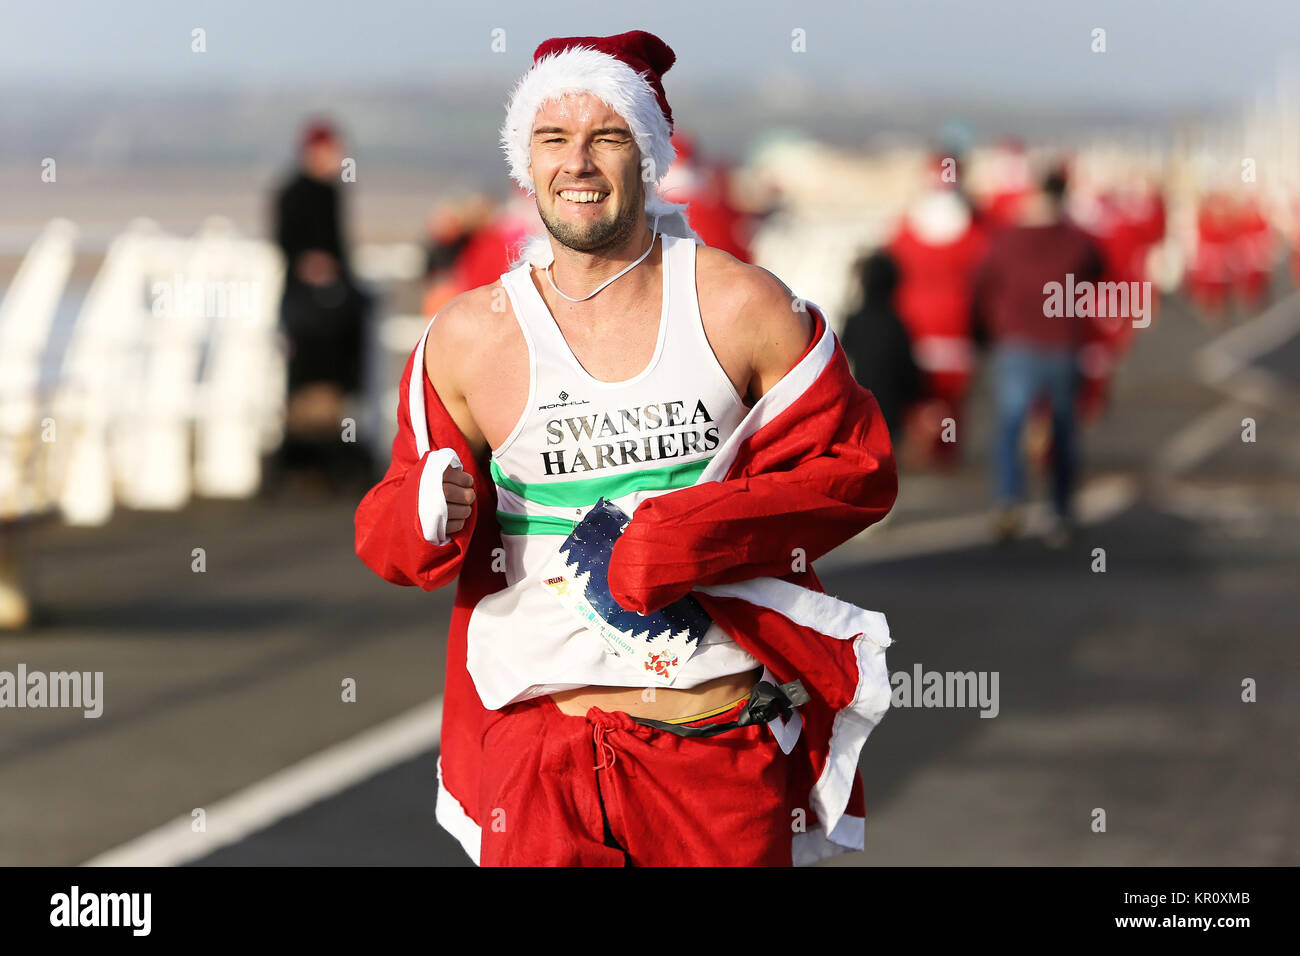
(938, 247)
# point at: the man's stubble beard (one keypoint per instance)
(602, 234)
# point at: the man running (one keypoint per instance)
(610, 365)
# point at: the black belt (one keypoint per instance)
(766, 701)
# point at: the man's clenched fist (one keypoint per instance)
(458, 489)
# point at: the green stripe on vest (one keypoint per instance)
(584, 492)
(512, 523)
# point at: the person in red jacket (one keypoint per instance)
(1213, 268)
(1253, 255)
(937, 248)
(724, 420)
(1012, 185)
(1124, 225)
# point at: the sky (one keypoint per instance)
(1157, 51)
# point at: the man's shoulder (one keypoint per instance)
(472, 316)
(466, 332)
(719, 274)
(1081, 236)
(1007, 240)
(747, 310)
(739, 292)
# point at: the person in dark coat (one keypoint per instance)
(877, 345)
(322, 313)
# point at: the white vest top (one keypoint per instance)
(580, 439)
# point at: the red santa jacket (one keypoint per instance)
(935, 283)
(808, 468)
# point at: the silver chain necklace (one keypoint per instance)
(653, 235)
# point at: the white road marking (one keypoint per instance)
(285, 792)
(1231, 352)
(1224, 364)
(1194, 442)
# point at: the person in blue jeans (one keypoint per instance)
(1035, 348)
(1023, 373)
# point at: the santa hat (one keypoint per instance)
(626, 72)
(317, 131)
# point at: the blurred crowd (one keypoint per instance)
(1234, 253)
(961, 274)
(960, 280)
(965, 279)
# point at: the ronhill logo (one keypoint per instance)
(564, 400)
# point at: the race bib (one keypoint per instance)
(656, 644)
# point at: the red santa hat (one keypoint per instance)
(626, 72)
(319, 130)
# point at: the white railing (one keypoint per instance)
(26, 318)
(171, 384)
(172, 381)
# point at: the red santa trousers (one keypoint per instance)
(603, 790)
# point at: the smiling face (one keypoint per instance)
(586, 168)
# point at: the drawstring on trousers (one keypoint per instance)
(602, 746)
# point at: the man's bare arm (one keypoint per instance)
(780, 327)
(445, 355)
(755, 324)
(402, 529)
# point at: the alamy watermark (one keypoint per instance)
(1100, 300)
(922, 688)
(180, 297)
(81, 689)
(75, 908)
